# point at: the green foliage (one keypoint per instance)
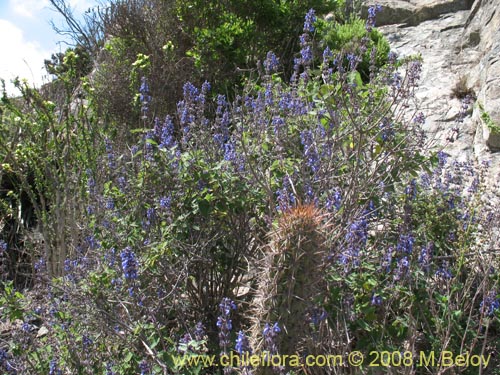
(373, 244)
(494, 128)
(74, 63)
(41, 141)
(191, 41)
(425, 294)
(346, 38)
(235, 35)
(11, 302)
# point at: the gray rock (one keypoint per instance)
(458, 40)
(414, 12)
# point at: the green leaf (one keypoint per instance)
(128, 357)
(355, 78)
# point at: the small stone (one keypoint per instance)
(42, 332)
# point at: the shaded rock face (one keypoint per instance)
(483, 28)
(459, 41)
(413, 12)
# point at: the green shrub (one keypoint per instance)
(188, 41)
(168, 232)
(347, 37)
(41, 142)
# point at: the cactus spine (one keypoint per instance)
(290, 279)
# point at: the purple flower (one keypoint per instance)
(206, 87)
(190, 92)
(405, 243)
(356, 238)
(166, 202)
(86, 341)
(327, 55)
(306, 55)
(269, 95)
(109, 369)
(122, 183)
(144, 367)
(3, 247)
(387, 129)
(167, 139)
(144, 89)
(310, 151)
(402, 268)
(40, 265)
(271, 63)
(413, 74)
(221, 104)
(376, 300)
(309, 21)
(278, 124)
(353, 61)
(129, 263)
(242, 346)
(334, 201)
(411, 189)
(372, 12)
(151, 214)
(226, 306)
(225, 324)
(473, 188)
(92, 242)
(271, 338)
(444, 272)
(317, 315)
(442, 158)
(490, 304)
(144, 97)
(229, 152)
(304, 40)
(54, 368)
(392, 57)
(199, 332)
(134, 150)
(184, 115)
(396, 82)
(110, 204)
(285, 196)
(26, 327)
(424, 259)
(419, 118)
(110, 154)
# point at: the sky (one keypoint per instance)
(27, 38)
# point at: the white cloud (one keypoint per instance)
(81, 5)
(25, 29)
(20, 57)
(28, 8)
(31, 8)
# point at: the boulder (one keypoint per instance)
(414, 12)
(482, 29)
(459, 42)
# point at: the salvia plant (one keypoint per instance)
(311, 202)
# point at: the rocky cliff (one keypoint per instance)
(459, 41)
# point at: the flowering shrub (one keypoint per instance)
(176, 225)
(218, 41)
(374, 50)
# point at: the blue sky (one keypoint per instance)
(27, 38)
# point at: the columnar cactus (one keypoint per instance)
(290, 280)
